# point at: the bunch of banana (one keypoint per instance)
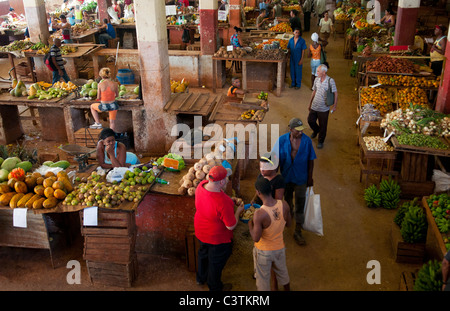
(372, 196)
(44, 50)
(414, 225)
(390, 193)
(443, 224)
(429, 277)
(398, 219)
(247, 115)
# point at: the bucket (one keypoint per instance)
(125, 76)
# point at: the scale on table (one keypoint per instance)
(81, 155)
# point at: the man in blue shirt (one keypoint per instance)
(109, 33)
(296, 156)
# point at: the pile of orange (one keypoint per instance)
(283, 43)
(413, 95)
(281, 27)
(378, 97)
(402, 80)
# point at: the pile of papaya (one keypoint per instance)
(33, 190)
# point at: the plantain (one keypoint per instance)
(24, 199)
(15, 199)
(6, 198)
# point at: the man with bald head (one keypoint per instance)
(58, 62)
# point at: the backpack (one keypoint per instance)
(48, 62)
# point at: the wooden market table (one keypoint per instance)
(280, 71)
(50, 112)
(75, 119)
(86, 36)
(71, 58)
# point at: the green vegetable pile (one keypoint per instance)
(421, 140)
(429, 277)
(440, 210)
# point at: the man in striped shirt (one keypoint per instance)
(58, 62)
(318, 109)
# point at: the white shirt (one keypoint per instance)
(325, 26)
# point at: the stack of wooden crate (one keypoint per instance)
(109, 248)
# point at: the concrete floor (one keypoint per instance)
(337, 261)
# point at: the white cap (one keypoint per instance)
(315, 37)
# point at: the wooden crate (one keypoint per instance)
(116, 249)
(111, 223)
(407, 280)
(113, 274)
(192, 247)
(87, 137)
(434, 229)
(413, 253)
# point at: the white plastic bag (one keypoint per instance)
(313, 213)
(116, 174)
(441, 180)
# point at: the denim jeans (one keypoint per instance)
(211, 261)
(57, 76)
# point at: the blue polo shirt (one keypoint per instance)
(294, 171)
(111, 31)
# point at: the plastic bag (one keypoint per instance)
(313, 213)
(116, 174)
(441, 180)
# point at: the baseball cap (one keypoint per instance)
(297, 124)
(217, 173)
(441, 27)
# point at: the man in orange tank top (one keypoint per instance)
(266, 228)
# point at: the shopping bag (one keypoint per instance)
(313, 213)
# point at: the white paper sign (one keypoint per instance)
(171, 10)
(389, 137)
(229, 48)
(222, 15)
(90, 216)
(20, 217)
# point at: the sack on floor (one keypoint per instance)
(313, 213)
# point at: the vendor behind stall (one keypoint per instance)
(111, 153)
(234, 89)
(261, 20)
(12, 14)
(66, 28)
(107, 32)
(235, 39)
(437, 52)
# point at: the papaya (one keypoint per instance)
(39, 180)
(5, 198)
(58, 185)
(48, 182)
(4, 188)
(21, 187)
(33, 199)
(59, 194)
(33, 90)
(50, 202)
(12, 182)
(38, 203)
(25, 165)
(62, 164)
(24, 199)
(14, 83)
(39, 189)
(15, 199)
(30, 181)
(61, 174)
(3, 174)
(67, 184)
(48, 192)
(49, 174)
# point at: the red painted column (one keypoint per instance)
(102, 9)
(208, 26)
(234, 16)
(405, 27)
(443, 97)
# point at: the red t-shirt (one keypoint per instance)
(214, 213)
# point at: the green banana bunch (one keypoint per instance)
(429, 277)
(398, 219)
(372, 196)
(390, 193)
(414, 225)
(443, 224)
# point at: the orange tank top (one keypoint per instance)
(108, 95)
(315, 51)
(272, 236)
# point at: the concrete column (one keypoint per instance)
(443, 97)
(38, 27)
(151, 31)
(208, 26)
(234, 16)
(102, 7)
(405, 25)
